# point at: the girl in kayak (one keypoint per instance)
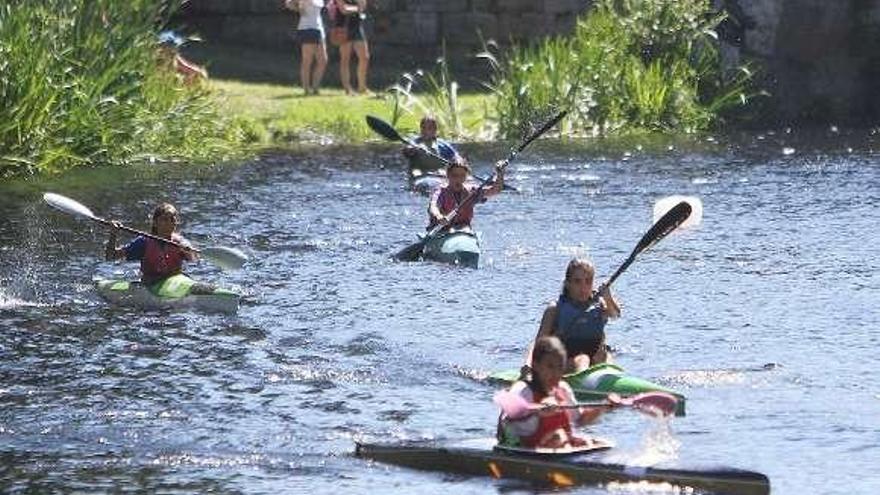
(159, 260)
(577, 320)
(550, 427)
(453, 196)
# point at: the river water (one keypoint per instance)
(765, 316)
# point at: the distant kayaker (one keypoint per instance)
(453, 197)
(551, 427)
(576, 320)
(159, 260)
(420, 162)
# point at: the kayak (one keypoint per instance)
(425, 184)
(423, 163)
(458, 248)
(596, 382)
(480, 457)
(175, 292)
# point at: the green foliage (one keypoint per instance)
(439, 97)
(629, 65)
(84, 82)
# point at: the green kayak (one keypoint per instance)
(457, 248)
(596, 382)
(175, 292)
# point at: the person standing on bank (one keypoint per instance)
(347, 16)
(313, 48)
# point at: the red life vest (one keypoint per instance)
(447, 200)
(161, 260)
(548, 422)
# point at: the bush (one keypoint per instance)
(629, 65)
(83, 82)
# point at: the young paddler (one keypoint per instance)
(546, 427)
(577, 320)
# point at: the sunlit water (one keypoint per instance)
(765, 315)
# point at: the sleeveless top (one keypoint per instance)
(448, 200)
(580, 328)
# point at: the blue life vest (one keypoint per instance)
(580, 327)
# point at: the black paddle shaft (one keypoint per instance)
(666, 224)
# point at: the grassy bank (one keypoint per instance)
(278, 115)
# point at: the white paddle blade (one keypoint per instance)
(226, 258)
(67, 205)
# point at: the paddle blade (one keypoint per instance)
(67, 205)
(383, 129)
(513, 405)
(411, 253)
(666, 224)
(544, 128)
(226, 258)
(658, 404)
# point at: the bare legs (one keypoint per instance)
(362, 51)
(311, 79)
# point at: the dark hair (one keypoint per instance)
(163, 209)
(460, 162)
(545, 346)
(573, 265)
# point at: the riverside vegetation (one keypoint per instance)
(82, 83)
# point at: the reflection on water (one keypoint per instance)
(764, 315)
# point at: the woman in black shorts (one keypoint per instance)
(351, 14)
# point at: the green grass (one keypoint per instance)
(277, 115)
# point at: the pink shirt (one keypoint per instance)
(447, 200)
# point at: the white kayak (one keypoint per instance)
(175, 292)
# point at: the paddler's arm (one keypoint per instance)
(112, 251)
(188, 253)
(498, 183)
(434, 209)
(544, 330)
(612, 309)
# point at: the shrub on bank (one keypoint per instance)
(629, 65)
(83, 82)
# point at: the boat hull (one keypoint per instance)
(596, 382)
(478, 458)
(457, 248)
(175, 292)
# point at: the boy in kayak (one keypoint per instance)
(427, 139)
(577, 320)
(453, 196)
(159, 260)
(549, 427)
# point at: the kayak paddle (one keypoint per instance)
(226, 258)
(385, 130)
(659, 404)
(663, 227)
(414, 251)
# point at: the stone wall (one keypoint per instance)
(821, 59)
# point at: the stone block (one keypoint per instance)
(437, 6)
(408, 29)
(560, 6)
(465, 28)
